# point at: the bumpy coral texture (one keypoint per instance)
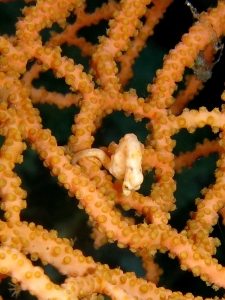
(129, 201)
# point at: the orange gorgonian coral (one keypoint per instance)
(71, 66)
